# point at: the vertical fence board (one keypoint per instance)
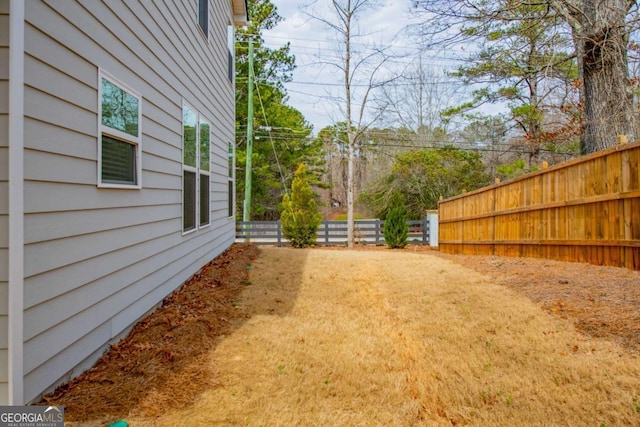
(585, 210)
(630, 171)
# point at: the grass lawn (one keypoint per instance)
(385, 338)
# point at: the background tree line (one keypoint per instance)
(562, 76)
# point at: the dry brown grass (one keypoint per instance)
(368, 338)
(393, 338)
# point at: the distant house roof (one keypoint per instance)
(240, 12)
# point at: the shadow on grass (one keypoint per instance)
(164, 362)
(277, 278)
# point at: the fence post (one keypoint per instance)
(378, 231)
(425, 230)
(279, 231)
(433, 229)
(326, 231)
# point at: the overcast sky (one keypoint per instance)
(312, 43)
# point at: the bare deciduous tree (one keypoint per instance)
(417, 98)
(362, 72)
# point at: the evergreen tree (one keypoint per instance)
(525, 62)
(422, 176)
(396, 229)
(281, 133)
(300, 217)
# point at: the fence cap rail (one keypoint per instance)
(559, 166)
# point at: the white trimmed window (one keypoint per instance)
(231, 157)
(196, 170)
(119, 134)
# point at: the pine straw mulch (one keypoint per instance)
(602, 302)
(163, 362)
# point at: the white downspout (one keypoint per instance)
(16, 201)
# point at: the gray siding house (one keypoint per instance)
(116, 171)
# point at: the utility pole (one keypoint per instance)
(246, 217)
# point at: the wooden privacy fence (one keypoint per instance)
(370, 231)
(584, 210)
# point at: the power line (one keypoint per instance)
(441, 144)
(273, 146)
(415, 82)
(324, 41)
(444, 56)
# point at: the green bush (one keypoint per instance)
(396, 230)
(300, 217)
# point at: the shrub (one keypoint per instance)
(396, 230)
(300, 217)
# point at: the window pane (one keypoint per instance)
(189, 122)
(204, 199)
(203, 16)
(189, 201)
(118, 161)
(119, 109)
(205, 137)
(231, 46)
(230, 198)
(230, 156)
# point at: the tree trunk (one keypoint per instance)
(350, 199)
(352, 140)
(607, 90)
(580, 60)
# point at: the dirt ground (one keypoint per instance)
(167, 362)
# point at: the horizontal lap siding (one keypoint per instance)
(4, 198)
(98, 259)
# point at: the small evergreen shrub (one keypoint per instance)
(300, 217)
(396, 230)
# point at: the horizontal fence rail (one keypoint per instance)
(330, 233)
(584, 210)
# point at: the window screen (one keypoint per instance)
(231, 158)
(118, 161)
(189, 201)
(204, 199)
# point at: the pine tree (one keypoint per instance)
(396, 230)
(300, 217)
(281, 133)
